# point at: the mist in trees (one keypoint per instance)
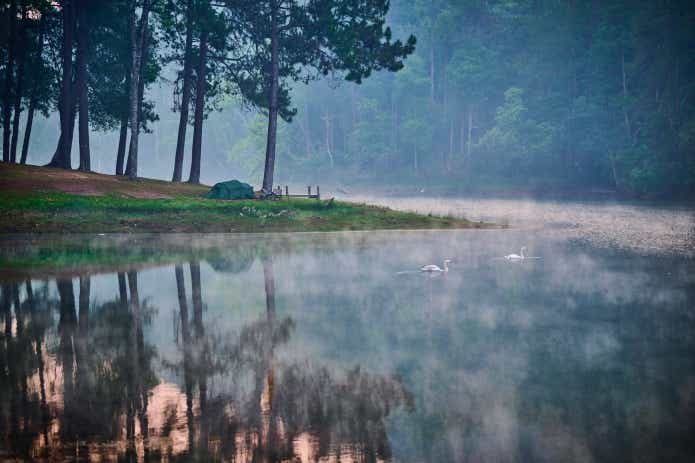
(495, 95)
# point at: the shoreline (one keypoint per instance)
(40, 200)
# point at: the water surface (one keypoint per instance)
(333, 347)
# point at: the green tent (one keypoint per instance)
(233, 189)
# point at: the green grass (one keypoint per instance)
(61, 212)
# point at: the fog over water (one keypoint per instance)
(647, 228)
(351, 352)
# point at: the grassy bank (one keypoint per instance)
(34, 200)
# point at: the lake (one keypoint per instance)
(334, 347)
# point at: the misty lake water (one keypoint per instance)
(333, 347)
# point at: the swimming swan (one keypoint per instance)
(435, 268)
(516, 257)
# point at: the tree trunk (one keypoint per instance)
(68, 103)
(131, 169)
(137, 36)
(21, 62)
(451, 145)
(185, 95)
(469, 140)
(194, 176)
(306, 129)
(82, 37)
(59, 146)
(329, 129)
(123, 136)
(33, 98)
(614, 171)
(7, 96)
(27, 131)
(141, 84)
(626, 116)
(62, 156)
(394, 125)
(273, 101)
(432, 67)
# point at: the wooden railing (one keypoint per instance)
(279, 193)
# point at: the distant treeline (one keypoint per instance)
(564, 94)
(93, 61)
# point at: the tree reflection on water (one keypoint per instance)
(79, 381)
(283, 349)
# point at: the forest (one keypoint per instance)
(492, 96)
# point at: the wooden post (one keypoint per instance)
(318, 192)
(309, 190)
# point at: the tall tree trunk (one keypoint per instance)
(137, 38)
(626, 116)
(394, 124)
(194, 176)
(27, 131)
(19, 78)
(614, 171)
(451, 145)
(273, 101)
(185, 95)
(432, 67)
(82, 37)
(34, 96)
(68, 101)
(141, 84)
(469, 140)
(62, 156)
(59, 146)
(306, 128)
(7, 96)
(329, 129)
(131, 168)
(123, 136)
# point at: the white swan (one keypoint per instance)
(515, 257)
(435, 268)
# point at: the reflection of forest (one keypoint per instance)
(589, 360)
(78, 381)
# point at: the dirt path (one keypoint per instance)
(24, 179)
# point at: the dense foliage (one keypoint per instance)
(534, 94)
